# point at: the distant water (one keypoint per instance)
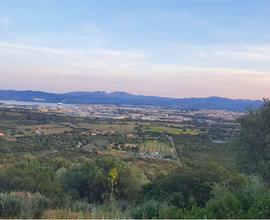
(12, 102)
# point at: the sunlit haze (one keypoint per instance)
(175, 48)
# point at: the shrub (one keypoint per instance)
(10, 206)
(224, 205)
(261, 207)
(60, 214)
(29, 175)
(81, 206)
(91, 180)
(109, 210)
(172, 212)
(186, 186)
(33, 204)
(147, 210)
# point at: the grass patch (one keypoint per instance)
(45, 129)
(155, 146)
(107, 127)
(170, 130)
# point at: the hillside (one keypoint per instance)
(122, 98)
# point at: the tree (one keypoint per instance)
(255, 141)
(97, 181)
(185, 186)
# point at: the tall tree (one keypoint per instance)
(255, 141)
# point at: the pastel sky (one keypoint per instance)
(176, 48)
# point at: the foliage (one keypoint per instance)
(255, 140)
(147, 210)
(29, 175)
(22, 205)
(44, 176)
(187, 186)
(62, 214)
(10, 206)
(93, 181)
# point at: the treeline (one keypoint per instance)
(22, 116)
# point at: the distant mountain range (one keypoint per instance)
(122, 98)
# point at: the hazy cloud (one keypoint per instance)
(56, 69)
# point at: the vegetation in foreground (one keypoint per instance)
(75, 184)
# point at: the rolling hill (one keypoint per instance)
(122, 98)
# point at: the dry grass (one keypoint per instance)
(64, 214)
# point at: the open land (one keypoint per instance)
(122, 131)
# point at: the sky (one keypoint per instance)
(173, 48)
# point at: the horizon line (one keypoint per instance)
(134, 94)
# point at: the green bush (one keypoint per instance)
(10, 206)
(32, 204)
(90, 180)
(186, 186)
(81, 206)
(261, 207)
(29, 175)
(147, 210)
(172, 212)
(225, 204)
(109, 210)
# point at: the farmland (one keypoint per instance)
(170, 130)
(40, 132)
(56, 158)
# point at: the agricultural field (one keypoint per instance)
(45, 129)
(43, 133)
(170, 130)
(154, 146)
(107, 127)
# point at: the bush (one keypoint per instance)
(250, 200)
(224, 205)
(172, 212)
(81, 206)
(10, 206)
(187, 186)
(32, 204)
(261, 207)
(61, 214)
(91, 180)
(147, 210)
(29, 175)
(110, 210)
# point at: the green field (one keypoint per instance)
(155, 146)
(170, 130)
(45, 129)
(109, 127)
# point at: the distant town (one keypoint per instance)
(125, 112)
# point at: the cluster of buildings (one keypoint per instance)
(217, 114)
(146, 113)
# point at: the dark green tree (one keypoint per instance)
(255, 141)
